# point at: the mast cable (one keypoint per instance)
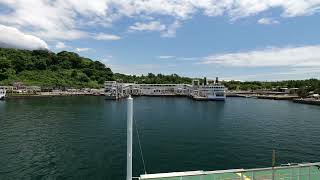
(141, 153)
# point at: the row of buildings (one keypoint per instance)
(205, 91)
(209, 90)
(20, 88)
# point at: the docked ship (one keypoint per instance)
(207, 90)
(211, 90)
(2, 94)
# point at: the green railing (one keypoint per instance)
(306, 171)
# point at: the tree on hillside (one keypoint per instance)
(303, 92)
(41, 64)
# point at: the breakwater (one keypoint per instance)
(263, 96)
(311, 101)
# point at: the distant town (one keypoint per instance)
(45, 73)
(199, 89)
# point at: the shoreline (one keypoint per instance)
(295, 99)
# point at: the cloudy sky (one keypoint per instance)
(232, 39)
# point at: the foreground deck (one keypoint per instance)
(308, 171)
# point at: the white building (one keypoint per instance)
(213, 91)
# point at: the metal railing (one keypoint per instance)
(307, 171)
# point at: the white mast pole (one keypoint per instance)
(129, 137)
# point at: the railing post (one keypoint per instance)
(129, 137)
(273, 163)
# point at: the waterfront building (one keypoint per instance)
(111, 88)
(116, 90)
(19, 87)
(205, 91)
(7, 88)
(289, 90)
(163, 89)
(32, 89)
(315, 96)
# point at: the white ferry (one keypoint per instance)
(213, 92)
(2, 94)
(208, 90)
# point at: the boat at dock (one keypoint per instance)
(209, 90)
(215, 92)
(2, 94)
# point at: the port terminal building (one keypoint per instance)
(205, 91)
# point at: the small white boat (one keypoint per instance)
(2, 94)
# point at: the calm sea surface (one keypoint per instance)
(85, 137)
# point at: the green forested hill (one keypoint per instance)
(65, 69)
(45, 68)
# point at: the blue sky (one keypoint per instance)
(232, 39)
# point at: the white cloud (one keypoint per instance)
(150, 26)
(60, 45)
(287, 74)
(188, 58)
(304, 56)
(171, 30)
(267, 21)
(166, 30)
(165, 57)
(106, 60)
(49, 20)
(61, 34)
(107, 37)
(82, 49)
(69, 19)
(11, 37)
(177, 58)
(138, 69)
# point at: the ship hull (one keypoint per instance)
(217, 98)
(111, 98)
